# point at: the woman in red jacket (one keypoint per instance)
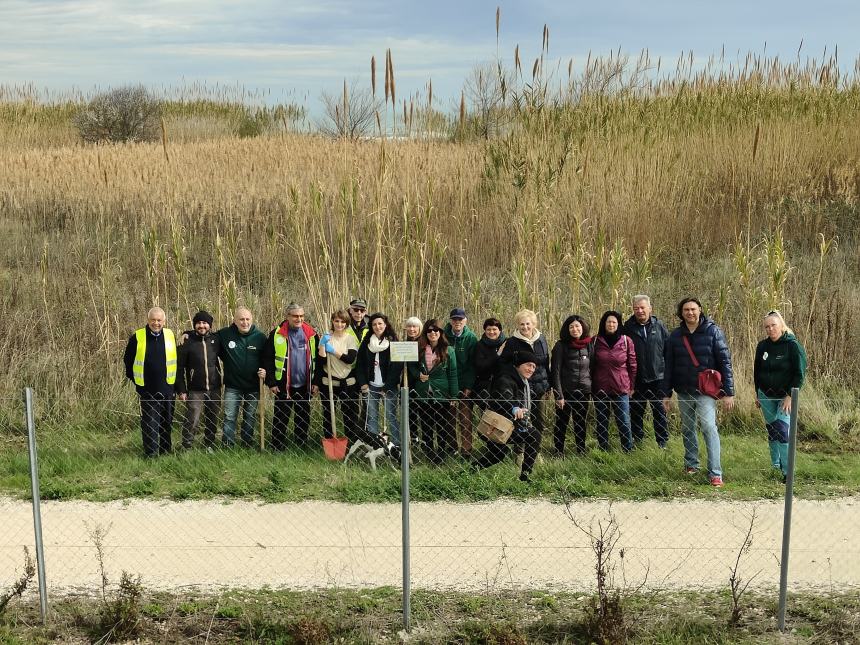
(613, 374)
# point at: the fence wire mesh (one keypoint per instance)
(213, 513)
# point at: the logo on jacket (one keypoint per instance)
(764, 356)
(232, 344)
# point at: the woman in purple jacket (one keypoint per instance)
(613, 374)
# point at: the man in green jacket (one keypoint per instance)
(463, 341)
(241, 348)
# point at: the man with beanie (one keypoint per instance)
(199, 380)
(150, 363)
(463, 340)
(512, 398)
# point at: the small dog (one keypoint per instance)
(375, 446)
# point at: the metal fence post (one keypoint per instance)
(405, 456)
(37, 511)
(786, 521)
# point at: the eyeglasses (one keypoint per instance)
(359, 310)
(434, 331)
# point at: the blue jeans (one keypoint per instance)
(620, 405)
(374, 396)
(703, 408)
(233, 400)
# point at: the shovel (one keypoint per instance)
(334, 446)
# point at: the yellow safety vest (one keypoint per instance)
(281, 346)
(140, 355)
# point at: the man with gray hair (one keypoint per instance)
(649, 336)
(289, 360)
(150, 363)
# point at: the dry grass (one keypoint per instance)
(723, 187)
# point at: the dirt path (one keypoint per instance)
(501, 544)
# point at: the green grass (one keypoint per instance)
(98, 465)
(373, 616)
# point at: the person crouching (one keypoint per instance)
(511, 397)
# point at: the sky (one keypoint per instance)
(292, 50)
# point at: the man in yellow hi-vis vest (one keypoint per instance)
(289, 363)
(150, 363)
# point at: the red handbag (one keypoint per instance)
(710, 381)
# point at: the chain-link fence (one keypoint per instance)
(301, 510)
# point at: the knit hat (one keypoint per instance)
(203, 316)
(524, 356)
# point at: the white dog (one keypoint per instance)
(375, 446)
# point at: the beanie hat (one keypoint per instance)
(524, 357)
(203, 316)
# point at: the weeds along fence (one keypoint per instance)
(210, 517)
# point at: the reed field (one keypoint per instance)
(738, 185)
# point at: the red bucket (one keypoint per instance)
(335, 448)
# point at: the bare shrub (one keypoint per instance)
(125, 114)
(737, 584)
(349, 114)
(20, 585)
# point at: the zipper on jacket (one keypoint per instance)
(206, 363)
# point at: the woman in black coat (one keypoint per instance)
(571, 381)
(485, 359)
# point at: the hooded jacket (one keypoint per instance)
(711, 350)
(650, 363)
(198, 368)
(613, 368)
(780, 365)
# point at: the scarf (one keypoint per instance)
(375, 345)
(581, 342)
(610, 339)
(531, 341)
(494, 344)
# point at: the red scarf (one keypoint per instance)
(581, 342)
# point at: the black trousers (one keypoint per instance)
(437, 422)
(576, 409)
(156, 421)
(296, 406)
(496, 452)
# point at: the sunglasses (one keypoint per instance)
(359, 310)
(434, 330)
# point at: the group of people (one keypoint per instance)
(626, 368)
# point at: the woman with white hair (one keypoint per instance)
(528, 338)
(780, 365)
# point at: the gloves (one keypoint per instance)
(326, 342)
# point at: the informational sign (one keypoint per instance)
(404, 351)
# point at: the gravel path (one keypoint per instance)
(502, 544)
